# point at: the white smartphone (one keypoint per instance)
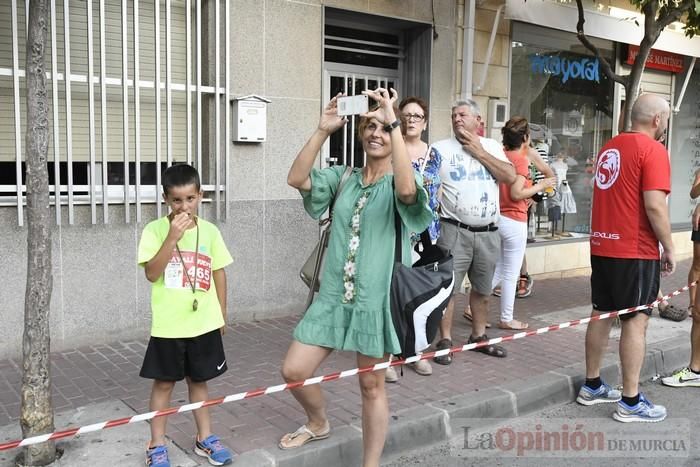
(353, 105)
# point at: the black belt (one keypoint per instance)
(483, 228)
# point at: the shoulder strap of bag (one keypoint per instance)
(426, 159)
(397, 230)
(343, 179)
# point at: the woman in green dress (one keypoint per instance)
(352, 309)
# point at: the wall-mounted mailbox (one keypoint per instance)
(249, 119)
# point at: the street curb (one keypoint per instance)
(438, 421)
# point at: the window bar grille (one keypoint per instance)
(18, 127)
(217, 110)
(352, 126)
(156, 83)
(346, 128)
(227, 109)
(168, 85)
(137, 112)
(198, 15)
(364, 154)
(91, 112)
(188, 77)
(125, 108)
(103, 111)
(54, 100)
(69, 107)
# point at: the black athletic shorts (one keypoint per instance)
(201, 358)
(620, 283)
(695, 236)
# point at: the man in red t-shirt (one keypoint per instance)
(628, 221)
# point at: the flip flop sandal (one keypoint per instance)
(513, 327)
(441, 345)
(673, 313)
(490, 350)
(468, 317)
(302, 436)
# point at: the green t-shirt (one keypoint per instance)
(171, 294)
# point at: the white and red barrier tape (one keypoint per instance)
(69, 433)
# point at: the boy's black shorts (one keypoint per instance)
(620, 283)
(201, 358)
(695, 236)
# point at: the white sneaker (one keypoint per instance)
(682, 378)
(422, 367)
(391, 376)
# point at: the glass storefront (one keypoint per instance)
(685, 149)
(559, 86)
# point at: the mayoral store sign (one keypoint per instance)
(566, 68)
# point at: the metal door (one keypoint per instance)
(343, 147)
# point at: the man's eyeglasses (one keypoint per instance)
(414, 117)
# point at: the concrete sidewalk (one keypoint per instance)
(539, 371)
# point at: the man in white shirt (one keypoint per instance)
(471, 169)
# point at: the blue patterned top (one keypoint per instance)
(431, 183)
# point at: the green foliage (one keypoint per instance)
(689, 12)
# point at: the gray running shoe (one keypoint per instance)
(642, 411)
(605, 393)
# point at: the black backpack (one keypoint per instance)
(420, 293)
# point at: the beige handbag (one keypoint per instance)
(311, 270)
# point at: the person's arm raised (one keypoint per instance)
(539, 163)
(299, 172)
(404, 178)
(155, 267)
(518, 190)
(502, 171)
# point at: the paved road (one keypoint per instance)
(675, 441)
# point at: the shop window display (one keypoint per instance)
(561, 89)
(685, 151)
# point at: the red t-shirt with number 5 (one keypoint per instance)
(626, 167)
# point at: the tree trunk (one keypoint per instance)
(37, 411)
(632, 87)
(652, 30)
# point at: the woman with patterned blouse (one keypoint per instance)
(426, 162)
(352, 310)
(425, 159)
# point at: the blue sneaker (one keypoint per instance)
(605, 393)
(215, 452)
(643, 411)
(157, 457)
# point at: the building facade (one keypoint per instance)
(169, 90)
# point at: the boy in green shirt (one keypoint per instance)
(184, 258)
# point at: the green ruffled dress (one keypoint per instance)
(352, 310)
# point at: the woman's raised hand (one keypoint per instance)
(330, 122)
(386, 99)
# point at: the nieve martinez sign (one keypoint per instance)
(583, 68)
